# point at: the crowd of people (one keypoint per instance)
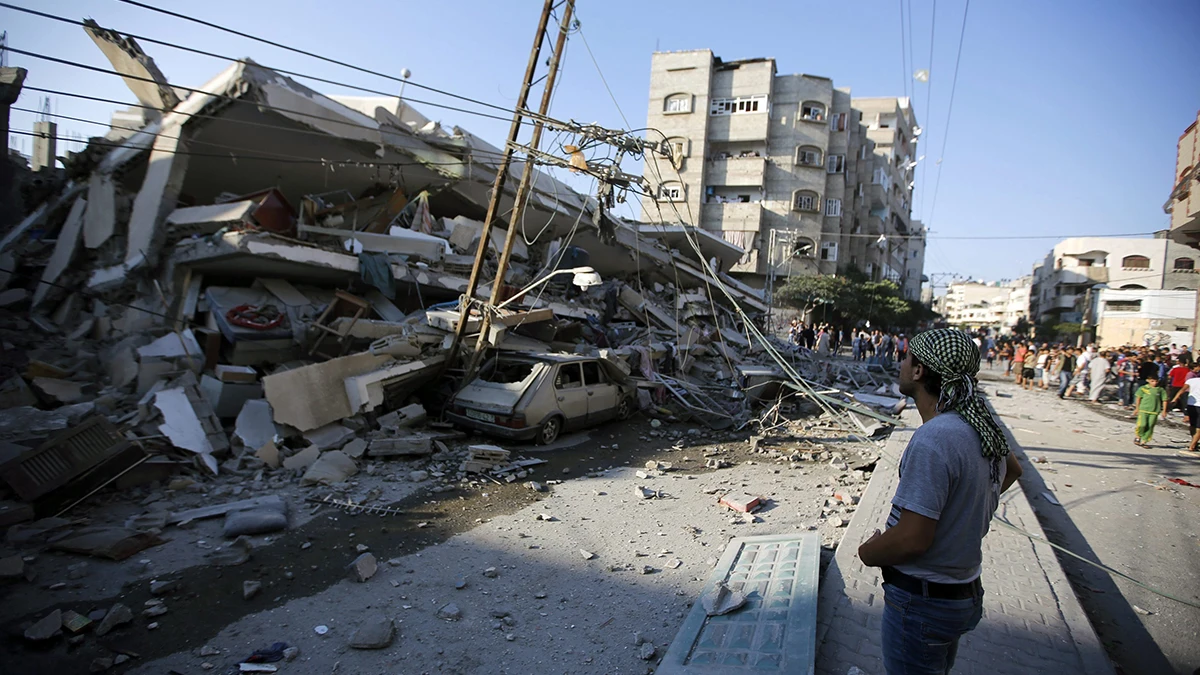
(1152, 382)
(826, 340)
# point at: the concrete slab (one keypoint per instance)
(211, 217)
(64, 250)
(775, 631)
(101, 218)
(254, 426)
(313, 396)
(164, 178)
(286, 292)
(182, 426)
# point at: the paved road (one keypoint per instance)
(1093, 469)
(1032, 621)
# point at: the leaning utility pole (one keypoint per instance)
(523, 188)
(485, 237)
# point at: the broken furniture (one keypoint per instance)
(71, 465)
(343, 304)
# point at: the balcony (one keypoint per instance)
(1061, 302)
(731, 216)
(877, 196)
(736, 171)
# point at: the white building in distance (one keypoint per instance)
(996, 306)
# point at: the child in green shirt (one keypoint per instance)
(1151, 404)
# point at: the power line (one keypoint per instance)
(602, 78)
(264, 125)
(949, 111)
(326, 59)
(928, 93)
(230, 155)
(246, 62)
(903, 52)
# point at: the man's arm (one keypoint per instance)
(1012, 471)
(1163, 414)
(911, 537)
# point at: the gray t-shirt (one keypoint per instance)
(944, 476)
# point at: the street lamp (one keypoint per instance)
(585, 277)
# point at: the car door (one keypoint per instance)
(602, 394)
(571, 395)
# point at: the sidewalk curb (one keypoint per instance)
(1087, 642)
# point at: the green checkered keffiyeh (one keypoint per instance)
(954, 356)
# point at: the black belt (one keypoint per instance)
(931, 589)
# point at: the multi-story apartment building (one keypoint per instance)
(1062, 280)
(787, 167)
(996, 306)
(1184, 202)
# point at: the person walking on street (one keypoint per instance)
(1191, 395)
(1018, 361)
(1098, 369)
(952, 473)
(1151, 405)
(1176, 377)
(1067, 372)
(1126, 375)
(1028, 370)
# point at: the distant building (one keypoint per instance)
(789, 168)
(1143, 316)
(1184, 201)
(997, 307)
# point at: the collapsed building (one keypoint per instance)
(263, 275)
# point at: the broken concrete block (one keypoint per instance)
(329, 437)
(236, 553)
(46, 628)
(254, 427)
(15, 392)
(173, 346)
(374, 633)
(228, 398)
(313, 396)
(114, 543)
(355, 448)
(722, 600)
(449, 612)
(64, 250)
(25, 422)
(331, 467)
(255, 521)
(302, 459)
(182, 425)
(363, 567)
(407, 445)
(122, 366)
(269, 454)
(118, 615)
(251, 588)
(12, 296)
(61, 391)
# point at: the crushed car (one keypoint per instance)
(539, 396)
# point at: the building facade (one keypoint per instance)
(1184, 201)
(790, 168)
(1137, 317)
(1062, 281)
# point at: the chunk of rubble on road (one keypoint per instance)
(12, 568)
(586, 555)
(251, 588)
(302, 460)
(117, 615)
(329, 437)
(374, 633)
(449, 612)
(235, 553)
(113, 543)
(364, 567)
(268, 516)
(47, 627)
(741, 502)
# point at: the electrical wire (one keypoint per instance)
(602, 78)
(949, 111)
(903, 53)
(928, 94)
(326, 59)
(315, 78)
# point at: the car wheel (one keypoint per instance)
(550, 430)
(624, 409)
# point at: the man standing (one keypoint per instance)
(1067, 372)
(1098, 371)
(951, 476)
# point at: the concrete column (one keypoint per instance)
(11, 80)
(45, 145)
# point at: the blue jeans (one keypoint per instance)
(1064, 382)
(920, 634)
(1125, 391)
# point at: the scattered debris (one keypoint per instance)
(742, 502)
(363, 567)
(374, 633)
(722, 600)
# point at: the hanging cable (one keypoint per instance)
(903, 52)
(949, 111)
(928, 93)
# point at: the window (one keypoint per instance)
(678, 103)
(812, 111)
(837, 164)
(678, 147)
(1136, 262)
(833, 207)
(1123, 306)
(862, 152)
(592, 373)
(861, 190)
(740, 105)
(808, 155)
(1133, 287)
(880, 177)
(803, 247)
(837, 122)
(568, 376)
(1185, 264)
(670, 192)
(805, 200)
(829, 251)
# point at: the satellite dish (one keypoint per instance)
(921, 75)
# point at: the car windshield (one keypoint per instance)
(502, 371)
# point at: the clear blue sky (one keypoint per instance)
(1065, 119)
